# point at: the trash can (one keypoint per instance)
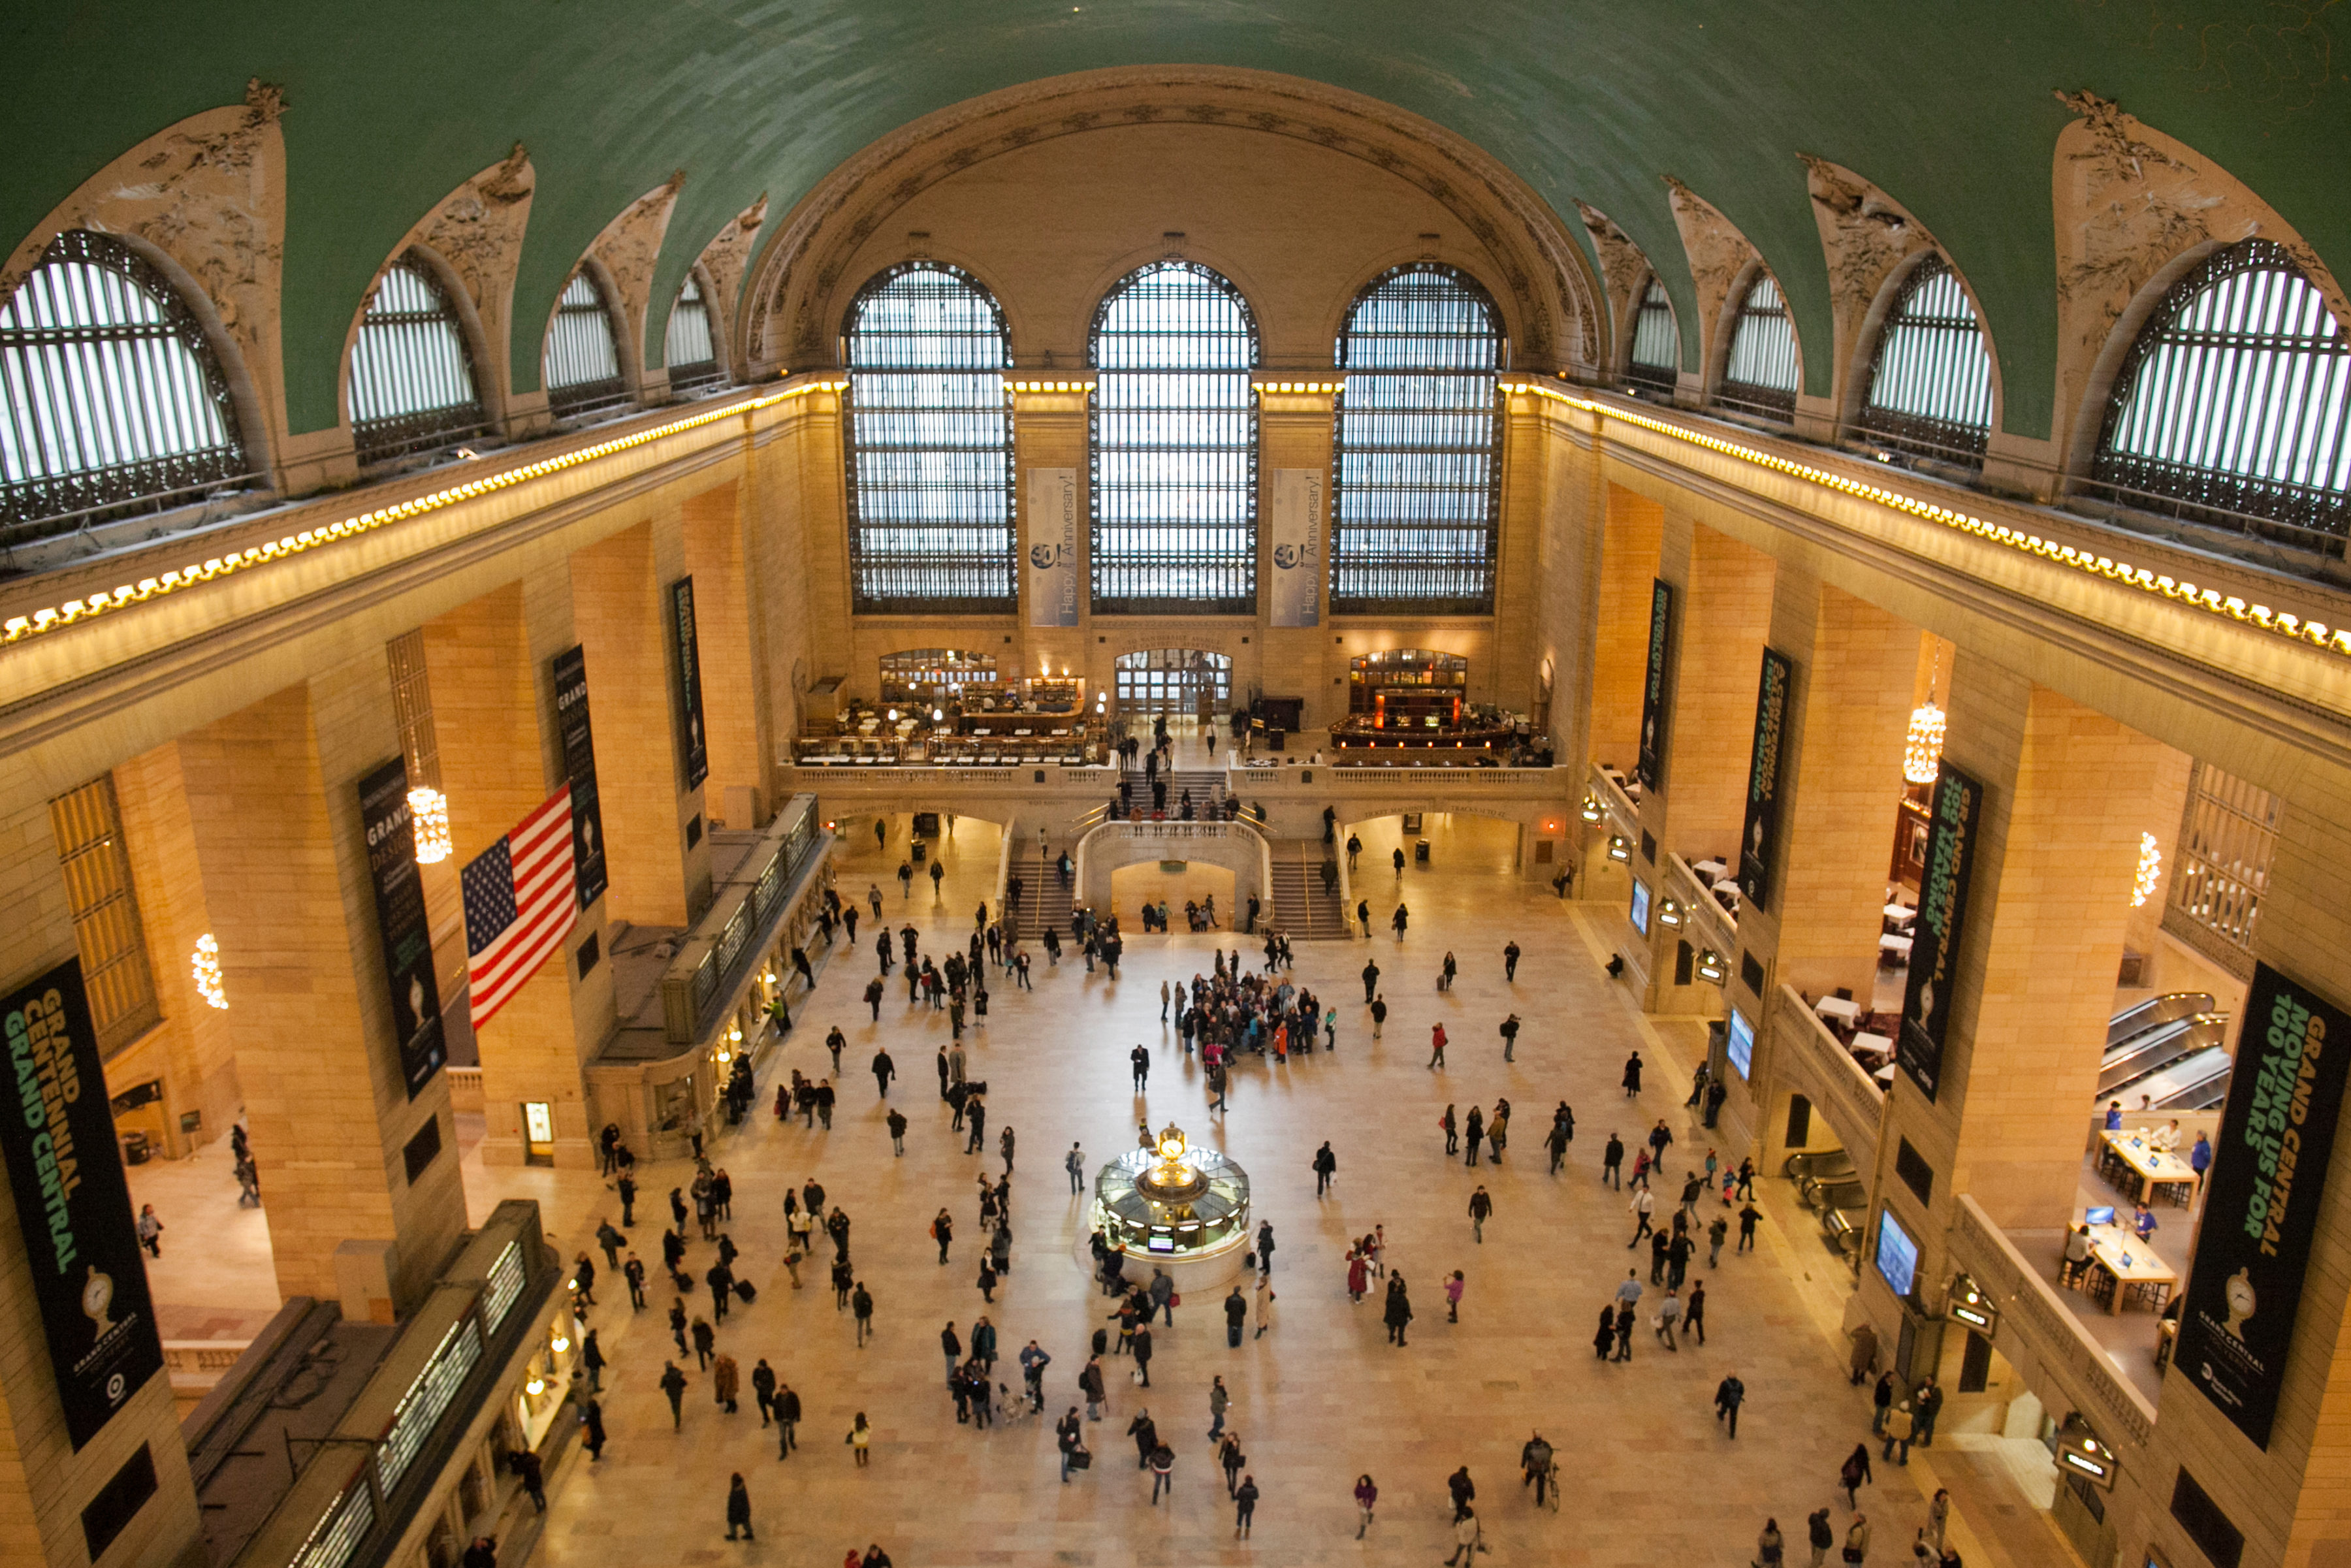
(1420, 850)
(134, 1148)
(922, 852)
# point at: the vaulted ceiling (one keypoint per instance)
(1950, 108)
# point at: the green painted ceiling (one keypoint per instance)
(1948, 106)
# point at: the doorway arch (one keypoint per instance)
(1176, 682)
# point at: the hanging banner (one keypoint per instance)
(571, 671)
(1759, 845)
(81, 1245)
(1052, 552)
(401, 929)
(693, 745)
(1934, 936)
(2269, 1173)
(1651, 767)
(1298, 504)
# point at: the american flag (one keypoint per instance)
(518, 906)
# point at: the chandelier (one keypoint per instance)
(1922, 751)
(2150, 867)
(428, 811)
(205, 967)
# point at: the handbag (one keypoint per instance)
(1081, 1459)
(1176, 1298)
(1852, 1554)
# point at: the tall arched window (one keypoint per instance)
(1930, 376)
(1174, 445)
(412, 372)
(1656, 357)
(1418, 448)
(111, 399)
(581, 363)
(930, 446)
(689, 348)
(1761, 375)
(2234, 406)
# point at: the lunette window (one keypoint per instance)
(689, 348)
(413, 385)
(1930, 377)
(1655, 361)
(1174, 445)
(1759, 376)
(111, 398)
(2234, 406)
(581, 363)
(1417, 447)
(930, 446)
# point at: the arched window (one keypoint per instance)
(1174, 445)
(2234, 406)
(930, 445)
(412, 372)
(1760, 374)
(689, 348)
(581, 363)
(1418, 448)
(111, 399)
(1930, 376)
(1656, 357)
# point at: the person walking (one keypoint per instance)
(1074, 1162)
(1067, 1439)
(1612, 1163)
(1141, 1349)
(726, 1383)
(1644, 1208)
(1236, 1316)
(1139, 1066)
(1220, 1400)
(1453, 1288)
(1856, 1540)
(1898, 1426)
(1510, 1032)
(1163, 1473)
(672, 1383)
(1853, 1474)
(738, 1508)
(1819, 1536)
(763, 1390)
(1694, 1311)
(1401, 918)
(860, 1306)
(1326, 1166)
(1379, 1015)
(1748, 1214)
(1770, 1547)
(1145, 1433)
(591, 1359)
(1398, 1313)
(788, 1421)
(1510, 962)
(1264, 1305)
(1265, 1247)
(860, 1440)
(1728, 1396)
(1535, 1466)
(592, 1427)
(1481, 1208)
(1244, 1507)
(1632, 1080)
(1371, 979)
(1231, 1461)
(1464, 1538)
(1366, 1494)
(1669, 1317)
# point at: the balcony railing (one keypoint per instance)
(728, 937)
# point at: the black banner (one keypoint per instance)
(579, 768)
(1759, 843)
(2269, 1173)
(400, 925)
(697, 747)
(81, 1244)
(1935, 937)
(1651, 768)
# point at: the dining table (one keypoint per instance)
(2142, 1172)
(1844, 1009)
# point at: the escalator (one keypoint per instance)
(2171, 1051)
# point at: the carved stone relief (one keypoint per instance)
(209, 193)
(724, 260)
(1718, 255)
(631, 246)
(1866, 235)
(1555, 298)
(2129, 199)
(478, 229)
(1624, 267)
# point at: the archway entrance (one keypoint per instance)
(1188, 683)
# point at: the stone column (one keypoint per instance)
(1633, 532)
(733, 681)
(656, 848)
(1294, 431)
(1048, 430)
(273, 795)
(1725, 610)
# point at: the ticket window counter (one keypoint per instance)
(537, 1132)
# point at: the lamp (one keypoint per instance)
(428, 811)
(558, 1344)
(1922, 749)
(535, 1387)
(205, 967)
(2150, 867)
(1590, 810)
(1669, 912)
(1619, 848)
(1711, 968)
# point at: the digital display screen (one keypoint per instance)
(1897, 1255)
(1160, 1242)
(1640, 907)
(1741, 1042)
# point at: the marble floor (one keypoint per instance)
(1653, 1479)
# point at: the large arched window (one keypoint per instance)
(1655, 361)
(1174, 445)
(2234, 406)
(1418, 448)
(1759, 376)
(581, 363)
(412, 372)
(930, 445)
(689, 348)
(1930, 377)
(111, 399)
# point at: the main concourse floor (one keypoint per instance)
(1652, 1478)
